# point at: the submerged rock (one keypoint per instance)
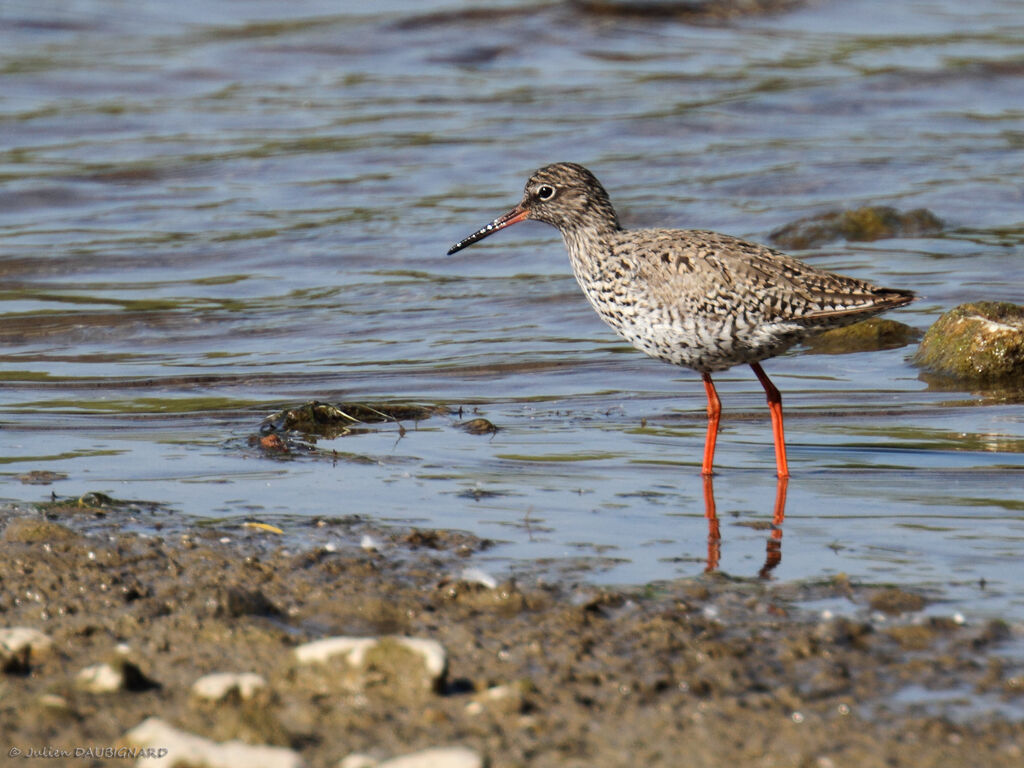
(478, 426)
(894, 600)
(182, 748)
(872, 222)
(866, 336)
(980, 341)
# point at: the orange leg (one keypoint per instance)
(773, 549)
(714, 413)
(775, 406)
(714, 533)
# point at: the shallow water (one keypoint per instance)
(212, 211)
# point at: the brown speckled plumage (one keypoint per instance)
(691, 297)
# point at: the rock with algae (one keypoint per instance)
(872, 222)
(979, 341)
(866, 336)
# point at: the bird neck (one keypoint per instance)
(589, 248)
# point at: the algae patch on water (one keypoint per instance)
(330, 421)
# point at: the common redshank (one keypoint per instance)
(691, 297)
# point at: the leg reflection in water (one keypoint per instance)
(773, 548)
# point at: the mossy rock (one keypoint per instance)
(872, 222)
(979, 341)
(866, 336)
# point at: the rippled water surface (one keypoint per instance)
(211, 211)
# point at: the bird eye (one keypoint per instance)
(545, 192)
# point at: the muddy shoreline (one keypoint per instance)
(710, 671)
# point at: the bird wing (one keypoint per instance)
(691, 266)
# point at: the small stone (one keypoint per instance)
(18, 645)
(478, 576)
(218, 686)
(177, 748)
(119, 674)
(388, 656)
(100, 678)
(478, 427)
(980, 341)
(369, 544)
(437, 757)
(352, 649)
(358, 760)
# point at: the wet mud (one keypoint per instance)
(532, 672)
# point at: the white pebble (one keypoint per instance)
(183, 748)
(437, 757)
(100, 678)
(14, 640)
(478, 576)
(218, 685)
(354, 650)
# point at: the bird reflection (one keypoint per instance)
(773, 547)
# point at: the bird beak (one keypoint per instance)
(517, 214)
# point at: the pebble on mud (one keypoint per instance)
(182, 748)
(435, 757)
(982, 340)
(118, 674)
(405, 661)
(872, 222)
(18, 645)
(218, 686)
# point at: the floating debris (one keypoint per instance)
(330, 421)
(262, 527)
